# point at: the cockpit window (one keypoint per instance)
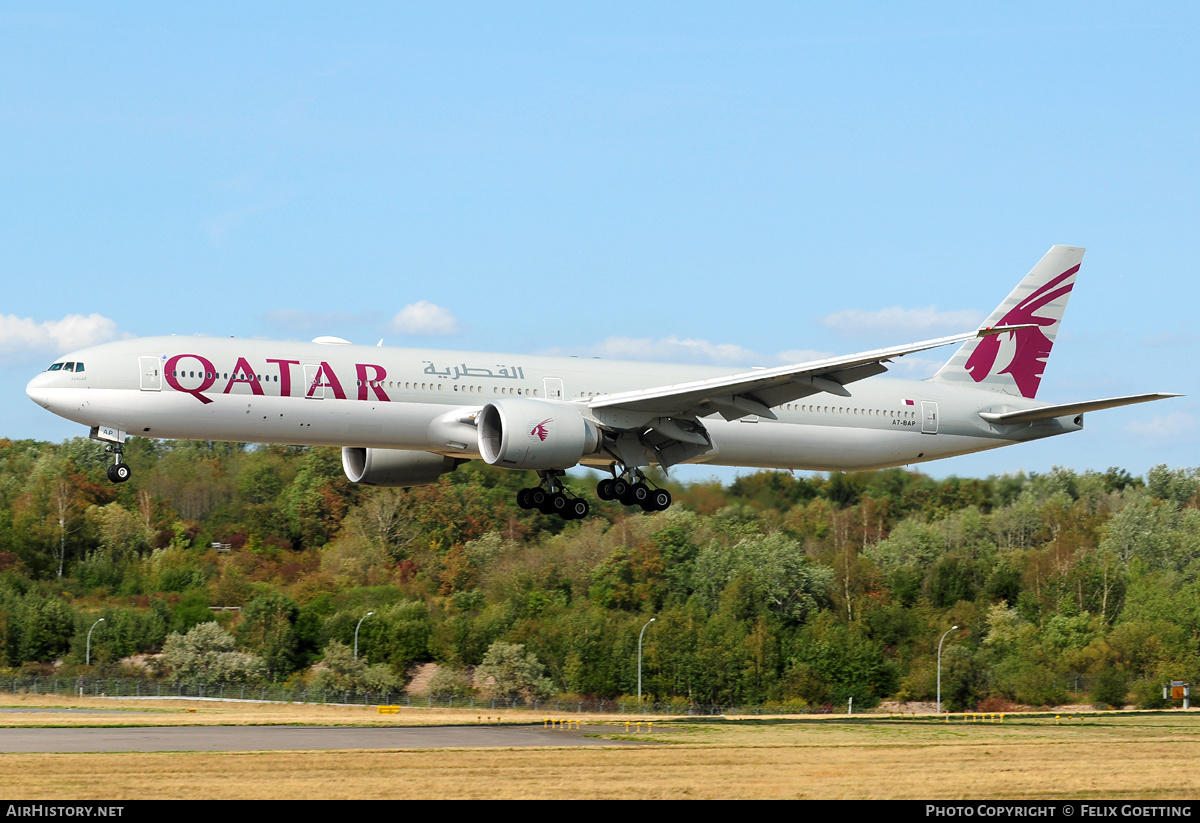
(78, 368)
(55, 367)
(69, 367)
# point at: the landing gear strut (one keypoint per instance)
(631, 488)
(118, 472)
(551, 497)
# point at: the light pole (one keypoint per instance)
(88, 659)
(364, 617)
(640, 636)
(939, 688)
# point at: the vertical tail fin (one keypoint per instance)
(1013, 362)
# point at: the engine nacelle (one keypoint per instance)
(394, 467)
(534, 434)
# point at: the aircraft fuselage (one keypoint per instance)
(259, 391)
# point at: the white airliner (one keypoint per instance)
(403, 417)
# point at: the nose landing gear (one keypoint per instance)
(118, 472)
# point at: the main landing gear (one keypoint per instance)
(551, 497)
(632, 489)
(118, 472)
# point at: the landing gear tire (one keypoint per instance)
(658, 501)
(604, 489)
(637, 495)
(618, 489)
(119, 473)
(551, 497)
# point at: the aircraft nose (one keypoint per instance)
(38, 392)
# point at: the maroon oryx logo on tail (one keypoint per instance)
(540, 431)
(1032, 346)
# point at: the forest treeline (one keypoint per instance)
(219, 562)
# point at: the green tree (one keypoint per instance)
(267, 630)
(781, 577)
(340, 671)
(509, 671)
(206, 655)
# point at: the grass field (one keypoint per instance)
(1110, 756)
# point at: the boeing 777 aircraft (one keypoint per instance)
(403, 417)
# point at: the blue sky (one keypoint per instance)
(719, 183)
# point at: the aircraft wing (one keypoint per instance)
(1063, 409)
(755, 392)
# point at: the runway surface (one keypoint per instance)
(291, 738)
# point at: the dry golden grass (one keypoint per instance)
(1111, 756)
(121, 712)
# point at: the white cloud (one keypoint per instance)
(310, 321)
(26, 335)
(915, 367)
(1174, 426)
(1167, 338)
(912, 324)
(802, 356)
(425, 318)
(219, 228)
(673, 349)
(688, 350)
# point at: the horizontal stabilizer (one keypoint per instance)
(1064, 409)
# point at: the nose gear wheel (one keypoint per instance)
(118, 472)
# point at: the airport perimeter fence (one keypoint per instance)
(276, 693)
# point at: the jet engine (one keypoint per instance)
(394, 467)
(534, 434)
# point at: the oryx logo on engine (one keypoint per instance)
(540, 431)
